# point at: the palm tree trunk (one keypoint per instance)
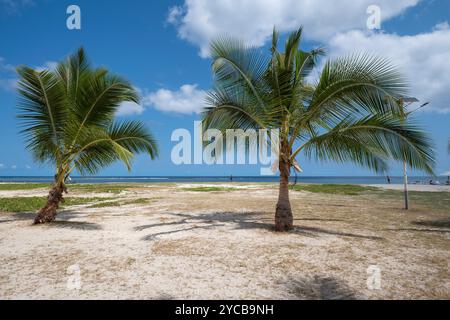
(48, 212)
(284, 220)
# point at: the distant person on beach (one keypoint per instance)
(231, 178)
(388, 179)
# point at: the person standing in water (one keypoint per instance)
(388, 179)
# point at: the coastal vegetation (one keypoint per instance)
(346, 189)
(30, 204)
(209, 189)
(68, 120)
(350, 113)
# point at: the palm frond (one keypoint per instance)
(237, 65)
(68, 117)
(305, 62)
(373, 140)
(99, 148)
(42, 112)
(134, 137)
(291, 48)
(352, 113)
(71, 72)
(100, 96)
(232, 109)
(359, 83)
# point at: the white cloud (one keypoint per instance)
(14, 6)
(423, 58)
(8, 79)
(199, 21)
(49, 65)
(129, 108)
(446, 173)
(14, 167)
(28, 167)
(6, 66)
(8, 84)
(188, 99)
(2, 165)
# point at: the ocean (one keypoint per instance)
(274, 179)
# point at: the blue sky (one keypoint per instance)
(160, 46)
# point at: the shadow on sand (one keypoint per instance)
(78, 225)
(444, 223)
(245, 220)
(440, 226)
(321, 288)
(63, 220)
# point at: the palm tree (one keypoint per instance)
(350, 113)
(68, 120)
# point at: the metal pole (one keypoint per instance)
(405, 166)
(405, 176)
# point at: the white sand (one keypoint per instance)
(413, 187)
(188, 245)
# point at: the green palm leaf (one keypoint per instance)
(68, 117)
(41, 111)
(351, 113)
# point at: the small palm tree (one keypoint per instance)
(68, 120)
(350, 113)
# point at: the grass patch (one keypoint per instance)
(429, 200)
(208, 189)
(345, 189)
(97, 188)
(22, 186)
(119, 203)
(100, 188)
(27, 204)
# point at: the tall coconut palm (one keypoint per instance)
(68, 120)
(350, 113)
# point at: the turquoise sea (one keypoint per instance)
(191, 179)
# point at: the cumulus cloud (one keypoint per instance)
(423, 58)
(2, 165)
(187, 99)
(199, 21)
(129, 108)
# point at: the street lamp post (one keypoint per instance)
(409, 101)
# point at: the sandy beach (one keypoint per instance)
(182, 244)
(413, 187)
